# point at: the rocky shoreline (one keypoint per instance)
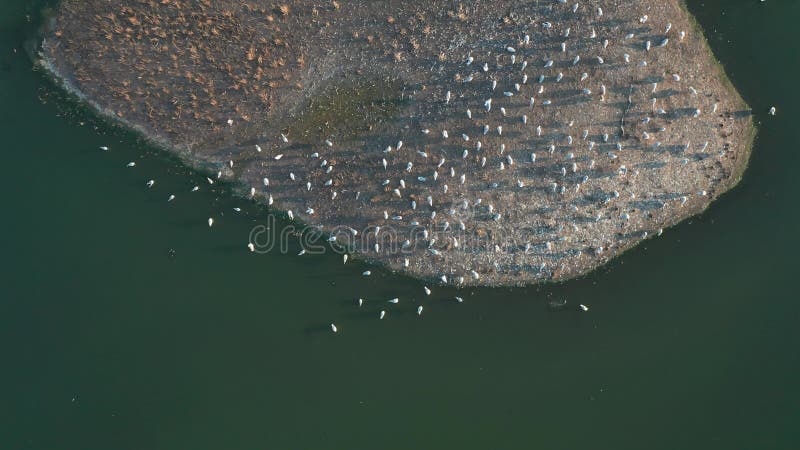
(486, 143)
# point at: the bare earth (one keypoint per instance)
(539, 138)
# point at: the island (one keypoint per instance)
(493, 143)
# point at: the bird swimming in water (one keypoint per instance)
(251, 247)
(131, 164)
(210, 221)
(104, 148)
(366, 273)
(419, 310)
(382, 314)
(772, 111)
(171, 198)
(334, 329)
(150, 183)
(196, 188)
(394, 300)
(583, 307)
(360, 302)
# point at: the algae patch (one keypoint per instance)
(349, 110)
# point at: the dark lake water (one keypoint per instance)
(127, 323)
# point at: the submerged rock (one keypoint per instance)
(494, 142)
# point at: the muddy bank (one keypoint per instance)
(492, 143)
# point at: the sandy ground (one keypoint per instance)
(483, 142)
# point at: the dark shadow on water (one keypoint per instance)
(317, 329)
(186, 224)
(229, 248)
(364, 313)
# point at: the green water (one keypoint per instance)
(127, 323)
